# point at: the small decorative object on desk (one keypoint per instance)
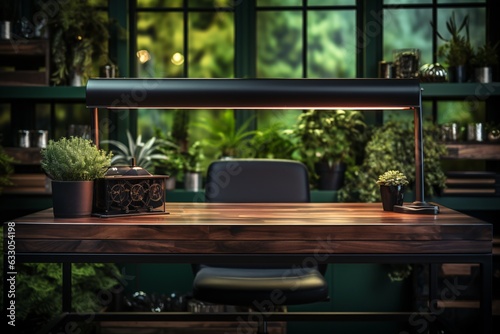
(129, 190)
(392, 187)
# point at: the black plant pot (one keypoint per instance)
(391, 195)
(457, 74)
(330, 177)
(72, 199)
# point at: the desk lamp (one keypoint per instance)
(186, 93)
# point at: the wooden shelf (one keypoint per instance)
(485, 151)
(25, 156)
(145, 327)
(25, 62)
(43, 93)
(471, 90)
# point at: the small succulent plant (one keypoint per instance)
(392, 178)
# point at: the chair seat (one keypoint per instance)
(245, 286)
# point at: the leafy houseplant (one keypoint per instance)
(457, 50)
(392, 147)
(143, 154)
(328, 143)
(173, 164)
(73, 164)
(392, 186)
(79, 36)
(225, 137)
(272, 143)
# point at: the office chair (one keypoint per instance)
(258, 181)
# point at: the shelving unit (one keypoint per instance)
(25, 62)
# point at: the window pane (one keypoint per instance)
(279, 44)
(211, 45)
(331, 44)
(408, 28)
(405, 2)
(279, 3)
(460, 112)
(159, 3)
(461, 1)
(332, 3)
(160, 44)
(211, 3)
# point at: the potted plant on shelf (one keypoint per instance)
(483, 61)
(79, 36)
(223, 135)
(193, 160)
(73, 164)
(328, 143)
(457, 50)
(272, 143)
(173, 164)
(392, 187)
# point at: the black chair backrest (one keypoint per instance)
(257, 181)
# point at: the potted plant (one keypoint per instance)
(392, 187)
(142, 154)
(272, 143)
(392, 147)
(483, 60)
(223, 135)
(73, 164)
(456, 50)
(173, 164)
(79, 36)
(328, 143)
(193, 159)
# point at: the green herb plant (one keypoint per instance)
(485, 56)
(74, 159)
(392, 178)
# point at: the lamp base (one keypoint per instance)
(417, 207)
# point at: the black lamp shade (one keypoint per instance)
(253, 93)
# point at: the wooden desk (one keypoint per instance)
(298, 233)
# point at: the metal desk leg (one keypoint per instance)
(486, 293)
(66, 287)
(433, 293)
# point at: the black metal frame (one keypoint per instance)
(484, 260)
(360, 94)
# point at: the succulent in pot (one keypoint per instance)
(392, 187)
(73, 164)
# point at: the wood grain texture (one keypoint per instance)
(212, 228)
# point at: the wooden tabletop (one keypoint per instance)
(298, 228)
